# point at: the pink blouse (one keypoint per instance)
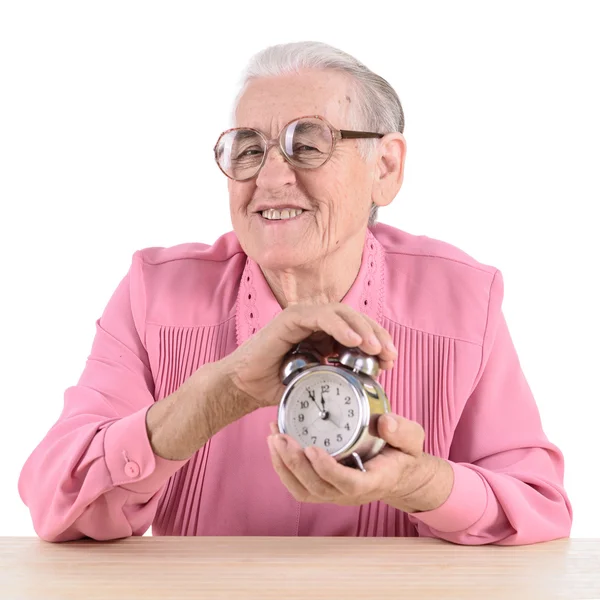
(457, 374)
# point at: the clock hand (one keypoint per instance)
(329, 417)
(323, 402)
(313, 422)
(312, 397)
(327, 413)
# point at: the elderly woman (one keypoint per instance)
(172, 423)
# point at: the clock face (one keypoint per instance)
(322, 409)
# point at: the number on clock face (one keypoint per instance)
(322, 410)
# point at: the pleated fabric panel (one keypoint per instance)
(420, 388)
(182, 351)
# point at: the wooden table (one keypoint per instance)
(308, 568)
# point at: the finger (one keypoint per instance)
(349, 482)
(376, 340)
(273, 427)
(298, 491)
(369, 341)
(301, 321)
(384, 336)
(297, 463)
(403, 434)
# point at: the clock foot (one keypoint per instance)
(358, 462)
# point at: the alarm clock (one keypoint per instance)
(334, 406)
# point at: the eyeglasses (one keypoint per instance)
(306, 143)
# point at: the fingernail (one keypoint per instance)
(373, 340)
(390, 346)
(391, 423)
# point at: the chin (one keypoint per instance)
(277, 258)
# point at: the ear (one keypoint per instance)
(388, 169)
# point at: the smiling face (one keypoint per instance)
(335, 199)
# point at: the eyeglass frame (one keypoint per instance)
(336, 134)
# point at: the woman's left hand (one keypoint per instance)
(401, 475)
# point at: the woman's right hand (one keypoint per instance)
(254, 367)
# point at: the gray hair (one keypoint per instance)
(378, 106)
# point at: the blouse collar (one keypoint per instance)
(256, 304)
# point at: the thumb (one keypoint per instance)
(402, 434)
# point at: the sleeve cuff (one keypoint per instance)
(465, 505)
(131, 462)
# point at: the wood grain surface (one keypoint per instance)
(306, 567)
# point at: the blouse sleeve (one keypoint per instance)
(508, 478)
(95, 474)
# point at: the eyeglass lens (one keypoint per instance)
(307, 144)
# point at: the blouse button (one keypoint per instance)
(132, 469)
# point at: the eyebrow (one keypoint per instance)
(245, 133)
(305, 126)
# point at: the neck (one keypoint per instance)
(325, 280)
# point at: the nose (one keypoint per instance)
(276, 170)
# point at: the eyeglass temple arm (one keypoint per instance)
(359, 134)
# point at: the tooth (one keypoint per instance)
(285, 213)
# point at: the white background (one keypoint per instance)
(109, 112)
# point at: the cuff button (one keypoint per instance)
(132, 469)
